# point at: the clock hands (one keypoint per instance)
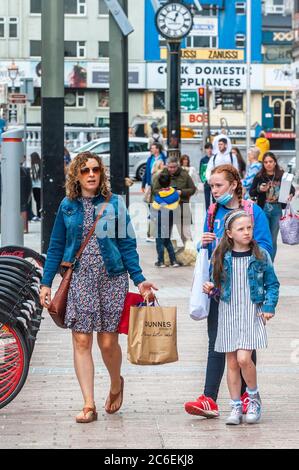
(176, 15)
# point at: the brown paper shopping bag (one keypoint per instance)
(152, 337)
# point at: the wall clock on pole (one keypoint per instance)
(174, 20)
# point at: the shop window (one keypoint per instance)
(103, 10)
(103, 49)
(240, 8)
(159, 100)
(240, 40)
(103, 99)
(13, 27)
(2, 28)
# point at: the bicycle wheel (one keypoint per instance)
(14, 363)
(30, 255)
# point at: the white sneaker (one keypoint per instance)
(254, 411)
(150, 239)
(236, 414)
(175, 265)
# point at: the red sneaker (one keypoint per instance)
(203, 406)
(245, 402)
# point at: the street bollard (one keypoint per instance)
(12, 156)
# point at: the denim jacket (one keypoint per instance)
(263, 283)
(114, 232)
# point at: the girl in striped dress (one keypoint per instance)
(243, 275)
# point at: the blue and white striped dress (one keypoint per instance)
(239, 326)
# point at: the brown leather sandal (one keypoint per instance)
(113, 397)
(88, 419)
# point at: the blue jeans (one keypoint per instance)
(216, 360)
(163, 235)
(273, 213)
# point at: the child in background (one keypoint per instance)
(244, 277)
(165, 202)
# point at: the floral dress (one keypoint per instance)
(95, 300)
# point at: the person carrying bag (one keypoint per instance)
(57, 307)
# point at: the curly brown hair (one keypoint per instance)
(231, 174)
(73, 187)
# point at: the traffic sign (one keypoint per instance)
(189, 100)
(17, 98)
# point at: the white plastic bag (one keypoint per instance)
(199, 301)
(285, 187)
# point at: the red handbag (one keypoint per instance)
(131, 300)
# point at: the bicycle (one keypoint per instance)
(20, 316)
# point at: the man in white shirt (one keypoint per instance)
(223, 134)
(222, 157)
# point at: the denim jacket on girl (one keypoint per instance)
(263, 283)
(114, 232)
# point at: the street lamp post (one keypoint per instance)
(13, 72)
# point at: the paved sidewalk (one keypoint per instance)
(153, 416)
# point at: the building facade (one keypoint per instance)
(214, 55)
(86, 56)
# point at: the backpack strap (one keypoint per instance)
(231, 157)
(214, 159)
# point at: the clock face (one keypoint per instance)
(174, 20)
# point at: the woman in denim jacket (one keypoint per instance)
(244, 278)
(100, 279)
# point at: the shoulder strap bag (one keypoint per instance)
(57, 307)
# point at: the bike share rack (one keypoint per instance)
(20, 316)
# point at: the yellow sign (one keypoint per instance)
(207, 54)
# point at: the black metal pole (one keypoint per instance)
(52, 115)
(119, 119)
(173, 101)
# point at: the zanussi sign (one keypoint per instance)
(207, 54)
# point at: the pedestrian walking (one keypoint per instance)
(222, 157)
(202, 173)
(155, 138)
(25, 195)
(156, 156)
(36, 183)
(165, 202)
(185, 164)
(66, 160)
(243, 274)
(241, 162)
(100, 279)
(183, 183)
(226, 187)
(222, 135)
(253, 169)
(263, 144)
(265, 188)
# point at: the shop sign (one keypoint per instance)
(207, 54)
(225, 76)
(280, 135)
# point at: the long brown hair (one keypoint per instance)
(73, 187)
(278, 171)
(231, 174)
(226, 244)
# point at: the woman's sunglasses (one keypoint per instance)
(86, 171)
